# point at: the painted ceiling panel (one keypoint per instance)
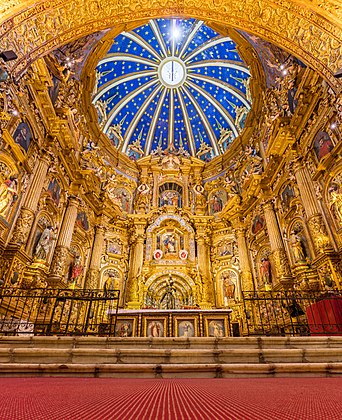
(172, 83)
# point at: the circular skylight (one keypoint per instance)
(172, 84)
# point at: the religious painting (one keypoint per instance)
(114, 248)
(82, 220)
(170, 243)
(286, 196)
(217, 200)
(186, 327)
(55, 191)
(170, 194)
(216, 326)
(229, 284)
(8, 194)
(23, 136)
(170, 198)
(258, 224)
(323, 144)
(155, 326)
(225, 249)
(123, 198)
(126, 327)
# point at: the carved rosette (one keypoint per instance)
(92, 279)
(59, 261)
(319, 233)
(23, 227)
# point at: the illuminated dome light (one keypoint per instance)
(172, 83)
(172, 72)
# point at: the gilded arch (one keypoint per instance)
(314, 33)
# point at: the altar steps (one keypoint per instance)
(170, 357)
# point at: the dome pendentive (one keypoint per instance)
(172, 83)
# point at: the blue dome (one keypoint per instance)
(172, 83)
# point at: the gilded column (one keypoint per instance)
(316, 222)
(245, 266)
(26, 216)
(135, 275)
(64, 240)
(203, 266)
(92, 278)
(279, 256)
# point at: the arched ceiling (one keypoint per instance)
(173, 83)
(311, 32)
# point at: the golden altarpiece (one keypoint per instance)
(176, 233)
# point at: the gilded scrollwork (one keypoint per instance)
(318, 42)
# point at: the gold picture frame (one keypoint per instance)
(186, 326)
(126, 326)
(216, 326)
(155, 326)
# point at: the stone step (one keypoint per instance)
(171, 343)
(150, 370)
(168, 356)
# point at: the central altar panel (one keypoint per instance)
(173, 323)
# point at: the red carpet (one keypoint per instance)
(64, 398)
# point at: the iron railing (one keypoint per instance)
(293, 313)
(58, 312)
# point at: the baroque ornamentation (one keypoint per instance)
(23, 226)
(59, 261)
(47, 25)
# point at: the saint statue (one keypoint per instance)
(77, 269)
(297, 247)
(8, 194)
(44, 244)
(168, 299)
(265, 271)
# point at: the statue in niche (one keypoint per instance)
(297, 247)
(76, 270)
(335, 193)
(168, 299)
(143, 198)
(265, 271)
(8, 194)
(44, 244)
(228, 279)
